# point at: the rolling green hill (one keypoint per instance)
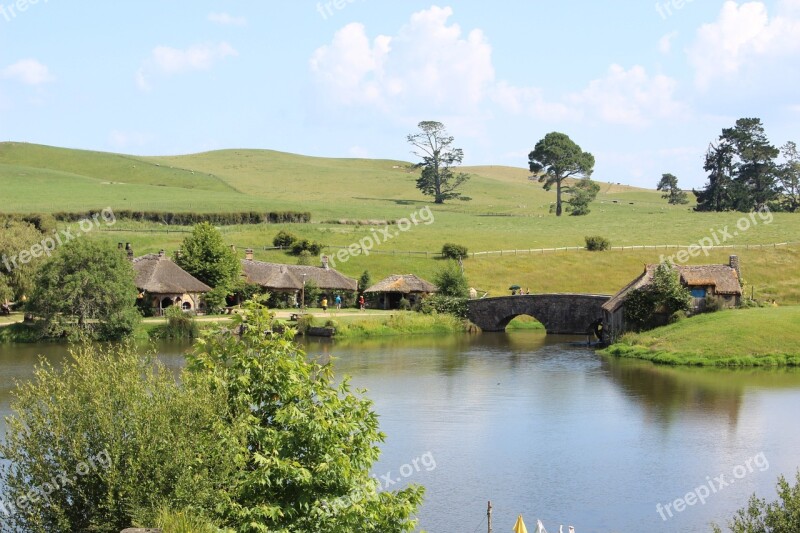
(508, 212)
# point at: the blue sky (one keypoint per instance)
(645, 86)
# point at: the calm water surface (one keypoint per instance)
(553, 431)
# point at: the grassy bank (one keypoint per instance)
(398, 323)
(739, 338)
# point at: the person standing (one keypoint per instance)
(338, 301)
(361, 302)
(324, 304)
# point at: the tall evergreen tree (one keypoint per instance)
(789, 177)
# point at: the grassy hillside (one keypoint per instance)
(747, 337)
(508, 212)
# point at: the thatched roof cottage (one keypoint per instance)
(716, 281)
(392, 289)
(289, 279)
(163, 284)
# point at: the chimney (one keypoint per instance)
(248, 254)
(161, 254)
(129, 251)
(734, 264)
(325, 262)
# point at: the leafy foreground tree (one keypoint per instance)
(205, 256)
(672, 193)
(253, 437)
(86, 290)
(780, 516)
(555, 158)
(435, 147)
(663, 296)
(109, 439)
(305, 462)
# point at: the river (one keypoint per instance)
(553, 431)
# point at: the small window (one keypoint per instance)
(698, 293)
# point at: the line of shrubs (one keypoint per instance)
(190, 219)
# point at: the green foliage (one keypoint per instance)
(16, 237)
(454, 251)
(597, 243)
(404, 304)
(179, 325)
(789, 177)
(170, 218)
(779, 516)
(216, 300)
(304, 323)
(312, 293)
(304, 245)
(583, 193)
(742, 170)
(364, 281)
(435, 147)
(672, 193)
(662, 297)
(304, 258)
(113, 439)
(450, 281)
(555, 158)
(284, 239)
(310, 442)
(186, 522)
(86, 289)
(439, 303)
(205, 256)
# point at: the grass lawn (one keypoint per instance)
(746, 337)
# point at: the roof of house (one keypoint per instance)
(723, 278)
(403, 284)
(157, 274)
(279, 276)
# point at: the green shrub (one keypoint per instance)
(454, 251)
(185, 522)
(450, 305)
(180, 325)
(304, 323)
(597, 243)
(284, 239)
(404, 304)
(120, 439)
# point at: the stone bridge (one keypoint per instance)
(561, 314)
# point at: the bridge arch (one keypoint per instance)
(561, 314)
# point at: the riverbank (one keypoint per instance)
(349, 324)
(766, 337)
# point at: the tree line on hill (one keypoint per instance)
(745, 171)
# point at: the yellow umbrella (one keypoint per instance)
(519, 527)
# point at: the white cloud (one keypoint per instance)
(630, 97)
(530, 101)
(169, 61)
(28, 71)
(226, 19)
(665, 43)
(742, 37)
(428, 65)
